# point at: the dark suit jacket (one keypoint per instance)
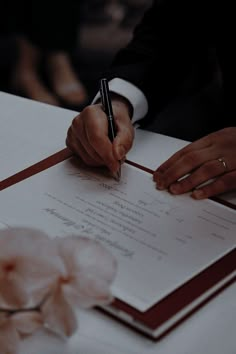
(8, 58)
(177, 49)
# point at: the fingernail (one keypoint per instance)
(174, 189)
(120, 152)
(123, 159)
(198, 194)
(116, 175)
(160, 185)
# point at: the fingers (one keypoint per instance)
(91, 158)
(205, 172)
(88, 138)
(206, 167)
(93, 137)
(221, 185)
(191, 151)
(181, 164)
(214, 174)
(124, 139)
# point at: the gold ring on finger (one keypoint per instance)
(222, 161)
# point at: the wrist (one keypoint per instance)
(122, 104)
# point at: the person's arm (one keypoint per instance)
(170, 40)
(134, 97)
(154, 62)
(88, 137)
(9, 53)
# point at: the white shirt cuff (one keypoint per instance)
(133, 94)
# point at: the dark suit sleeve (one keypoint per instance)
(9, 54)
(172, 37)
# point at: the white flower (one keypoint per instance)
(90, 269)
(43, 281)
(29, 264)
(15, 326)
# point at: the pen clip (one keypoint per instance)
(102, 99)
(107, 107)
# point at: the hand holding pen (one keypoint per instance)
(89, 139)
(107, 107)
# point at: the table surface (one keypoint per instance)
(210, 330)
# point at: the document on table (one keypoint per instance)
(30, 131)
(160, 241)
(152, 149)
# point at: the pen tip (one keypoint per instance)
(117, 175)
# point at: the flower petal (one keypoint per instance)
(83, 253)
(30, 262)
(87, 292)
(29, 243)
(58, 315)
(3, 318)
(27, 322)
(91, 269)
(9, 338)
(13, 295)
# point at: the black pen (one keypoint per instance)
(107, 107)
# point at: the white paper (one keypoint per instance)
(152, 149)
(29, 132)
(160, 240)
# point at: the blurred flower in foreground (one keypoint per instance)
(43, 281)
